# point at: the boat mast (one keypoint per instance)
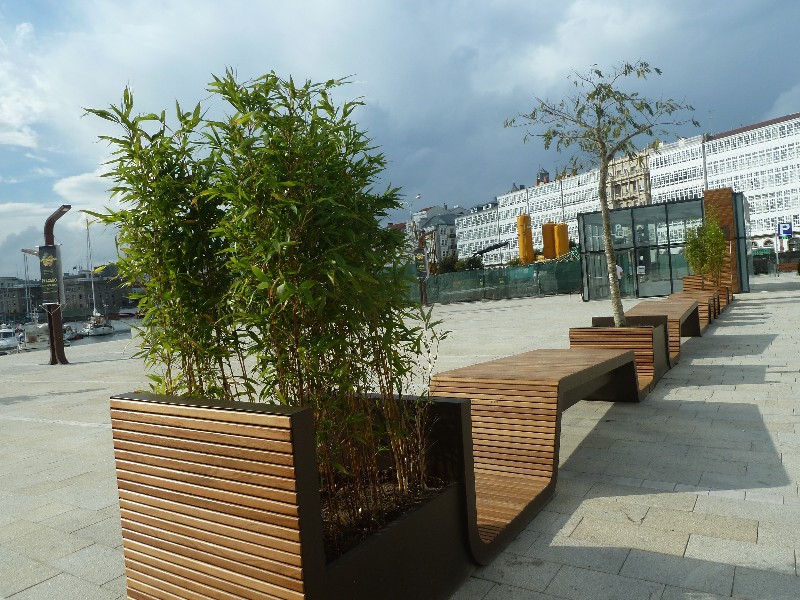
(91, 267)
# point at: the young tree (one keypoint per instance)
(706, 249)
(604, 120)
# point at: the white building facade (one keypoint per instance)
(557, 201)
(763, 161)
(476, 230)
(677, 171)
(760, 160)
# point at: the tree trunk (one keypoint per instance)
(608, 246)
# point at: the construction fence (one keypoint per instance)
(538, 279)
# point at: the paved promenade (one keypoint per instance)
(691, 494)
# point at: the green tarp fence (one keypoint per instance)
(505, 282)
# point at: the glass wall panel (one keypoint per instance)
(596, 276)
(653, 271)
(627, 285)
(592, 232)
(680, 268)
(621, 229)
(681, 217)
(649, 246)
(650, 225)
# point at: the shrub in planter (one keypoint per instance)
(706, 249)
(267, 277)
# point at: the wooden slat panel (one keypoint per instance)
(239, 495)
(142, 566)
(208, 499)
(269, 461)
(272, 547)
(212, 504)
(228, 416)
(280, 476)
(205, 425)
(203, 436)
(224, 571)
(515, 414)
(283, 487)
(204, 546)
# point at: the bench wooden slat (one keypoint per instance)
(516, 403)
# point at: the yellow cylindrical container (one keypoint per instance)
(548, 240)
(562, 239)
(525, 239)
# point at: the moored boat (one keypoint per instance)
(98, 325)
(8, 340)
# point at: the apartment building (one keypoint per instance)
(629, 181)
(760, 160)
(478, 229)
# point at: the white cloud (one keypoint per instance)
(23, 33)
(22, 136)
(89, 189)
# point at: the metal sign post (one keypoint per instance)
(784, 232)
(53, 287)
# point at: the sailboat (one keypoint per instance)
(98, 324)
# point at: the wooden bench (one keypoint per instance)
(707, 303)
(647, 339)
(693, 283)
(683, 320)
(787, 267)
(515, 406)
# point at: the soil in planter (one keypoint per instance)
(338, 541)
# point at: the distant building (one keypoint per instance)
(437, 226)
(558, 201)
(110, 297)
(629, 181)
(761, 160)
(476, 230)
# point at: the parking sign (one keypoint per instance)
(785, 229)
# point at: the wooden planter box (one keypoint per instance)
(646, 336)
(221, 500)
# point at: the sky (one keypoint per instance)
(438, 78)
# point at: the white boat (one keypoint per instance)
(8, 341)
(98, 325)
(70, 333)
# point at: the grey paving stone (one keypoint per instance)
(18, 572)
(473, 589)
(748, 510)
(507, 592)
(65, 587)
(637, 495)
(46, 545)
(778, 534)
(742, 554)
(95, 563)
(79, 518)
(579, 584)
(757, 585)
(730, 528)
(519, 571)
(116, 586)
(678, 571)
(107, 532)
(552, 523)
(566, 550)
(630, 535)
